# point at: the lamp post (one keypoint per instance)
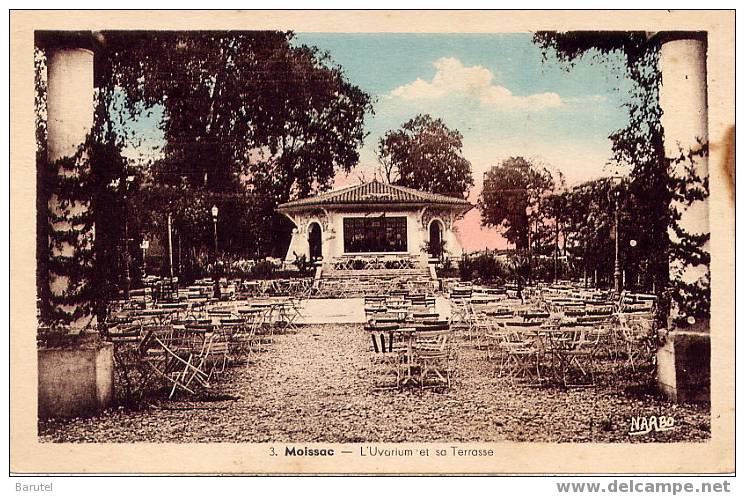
(529, 212)
(215, 211)
(216, 280)
(632, 244)
(616, 194)
(144, 245)
(127, 277)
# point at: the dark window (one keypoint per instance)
(374, 234)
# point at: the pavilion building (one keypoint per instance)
(375, 219)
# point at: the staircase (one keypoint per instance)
(350, 283)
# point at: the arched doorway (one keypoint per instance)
(314, 241)
(435, 239)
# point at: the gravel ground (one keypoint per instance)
(317, 385)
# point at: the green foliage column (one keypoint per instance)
(70, 109)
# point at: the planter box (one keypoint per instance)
(684, 367)
(75, 382)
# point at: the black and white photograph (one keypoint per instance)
(348, 244)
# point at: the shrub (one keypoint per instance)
(304, 266)
(263, 270)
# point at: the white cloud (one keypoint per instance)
(475, 82)
(587, 99)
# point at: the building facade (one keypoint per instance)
(374, 219)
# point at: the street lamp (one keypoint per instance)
(144, 245)
(127, 277)
(215, 211)
(632, 244)
(615, 191)
(216, 279)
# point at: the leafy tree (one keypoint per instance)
(425, 154)
(245, 114)
(588, 226)
(641, 145)
(513, 199)
(249, 120)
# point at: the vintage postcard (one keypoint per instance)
(402, 242)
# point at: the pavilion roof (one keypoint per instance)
(375, 193)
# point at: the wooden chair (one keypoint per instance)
(577, 352)
(520, 351)
(434, 354)
(632, 332)
(178, 355)
(460, 310)
(389, 354)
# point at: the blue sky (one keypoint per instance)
(495, 88)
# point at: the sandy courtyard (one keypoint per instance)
(318, 385)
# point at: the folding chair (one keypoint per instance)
(632, 330)
(578, 354)
(178, 355)
(434, 353)
(489, 330)
(285, 315)
(520, 353)
(218, 358)
(388, 353)
(125, 336)
(459, 307)
(246, 338)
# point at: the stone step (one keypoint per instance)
(375, 272)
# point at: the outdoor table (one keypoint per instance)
(158, 315)
(529, 316)
(398, 305)
(281, 310)
(482, 300)
(559, 343)
(249, 311)
(498, 312)
(220, 312)
(176, 306)
(266, 307)
(252, 287)
(262, 304)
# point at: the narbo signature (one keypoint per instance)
(644, 425)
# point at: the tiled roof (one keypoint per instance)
(374, 193)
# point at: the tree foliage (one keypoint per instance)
(514, 199)
(249, 119)
(425, 154)
(246, 115)
(641, 145)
